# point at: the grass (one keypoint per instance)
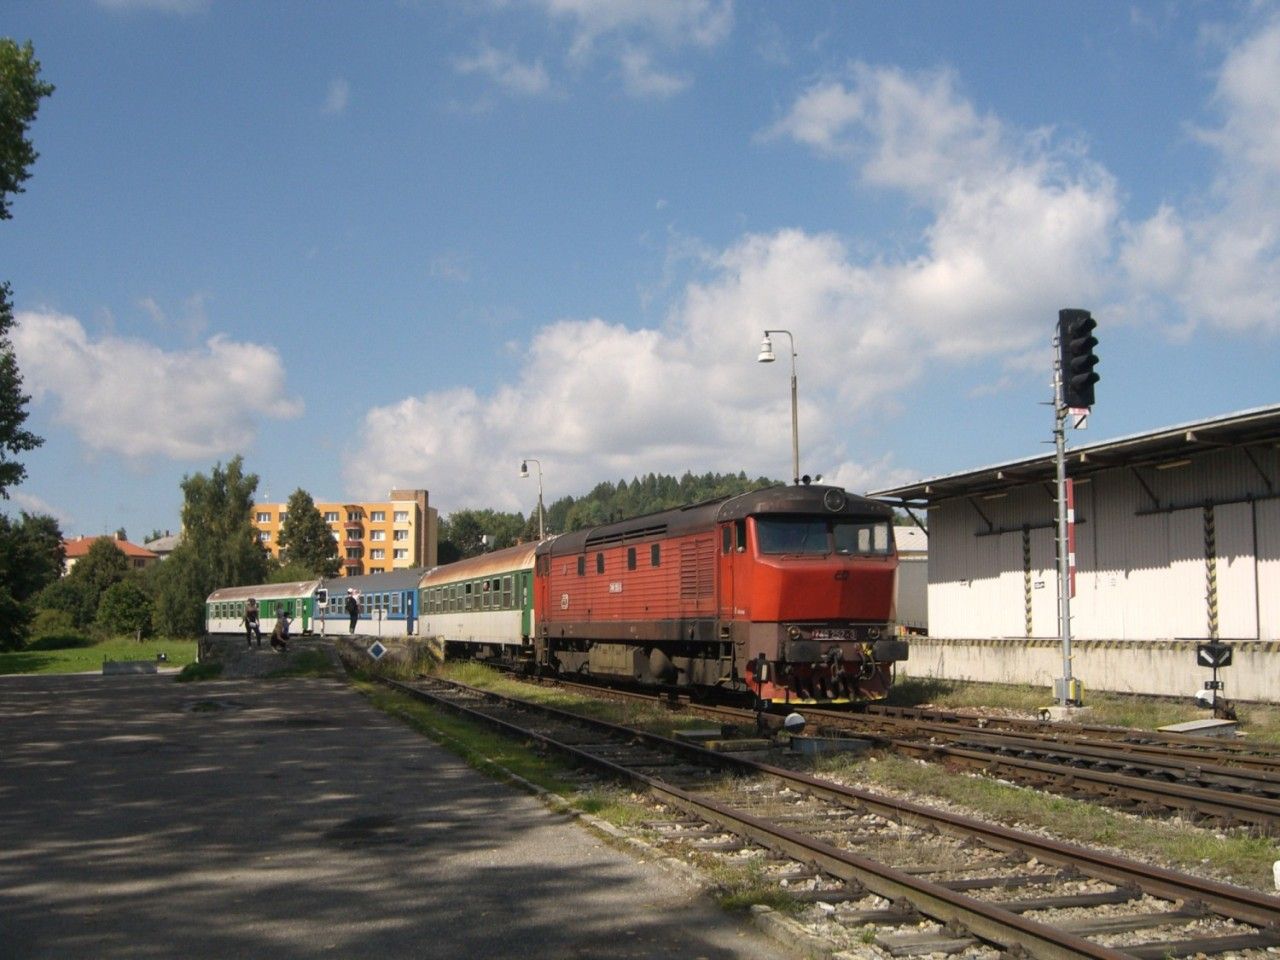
(738, 886)
(199, 671)
(88, 656)
(1260, 721)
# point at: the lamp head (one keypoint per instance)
(766, 351)
(524, 470)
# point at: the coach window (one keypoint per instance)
(467, 594)
(599, 563)
(397, 603)
(655, 555)
(631, 558)
(508, 593)
(582, 566)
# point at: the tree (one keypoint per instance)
(218, 523)
(20, 95)
(21, 91)
(31, 557)
(14, 438)
(125, 608)
(461, 533)
(102, 567)
(306, 540)
(72, 597)
(220, 548)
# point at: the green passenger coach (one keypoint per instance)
(224, 609)
(482, 606)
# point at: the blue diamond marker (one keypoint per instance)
(377, 650)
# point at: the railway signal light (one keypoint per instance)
(1075, 352)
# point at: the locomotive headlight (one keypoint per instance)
(873, 633)
(793, 633)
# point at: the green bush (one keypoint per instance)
(125, 608)
(56, 630)
(199, 671)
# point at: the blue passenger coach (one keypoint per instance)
(388, 604)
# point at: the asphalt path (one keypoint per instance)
(143, 818)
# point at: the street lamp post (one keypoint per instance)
(766, 356)
(524, 475)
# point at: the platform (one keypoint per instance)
(289, 819)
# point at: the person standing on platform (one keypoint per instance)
(251, 627)
(353, 609)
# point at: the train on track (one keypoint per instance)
(787, 593)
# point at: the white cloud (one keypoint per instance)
(132, 398)
(1017, 229)
(157, 6)
(191, 319)
(671, 23)
(36, 506)
(642, 80)
(338, 97)
(506, 70)
(1219, 263)
(631, 37)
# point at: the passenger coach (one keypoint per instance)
(388, 603)
(224, 608)
(482, 606)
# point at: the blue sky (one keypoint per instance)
(411, 243)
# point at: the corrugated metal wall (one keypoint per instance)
(1143, 549)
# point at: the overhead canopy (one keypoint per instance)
(1172, 444)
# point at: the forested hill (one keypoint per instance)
(462, 533)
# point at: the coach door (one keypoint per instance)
(524, 584)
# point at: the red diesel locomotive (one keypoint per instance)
(786, 592)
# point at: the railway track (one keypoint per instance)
(1225, 783)
(921, 880)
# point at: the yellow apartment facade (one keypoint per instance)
(372, 536)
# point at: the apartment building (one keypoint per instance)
(372, 536)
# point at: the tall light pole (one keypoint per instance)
(524, 475)
(766, 356)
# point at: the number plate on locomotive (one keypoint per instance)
(835, 636)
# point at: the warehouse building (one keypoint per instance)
(1177, 542)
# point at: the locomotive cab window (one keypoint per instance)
(863, 538)
(820, 537)
(631, 558)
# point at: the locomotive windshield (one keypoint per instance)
(820, 536)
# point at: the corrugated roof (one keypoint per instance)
(1184, 441)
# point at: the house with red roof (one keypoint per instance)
(137, 556)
